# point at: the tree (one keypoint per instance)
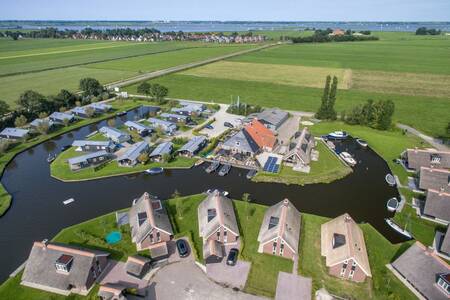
(331, 112)
(111, 122)
(20, 121)
(66, 122)
(384, 120)
(143, 158)
(43, 115)
(158, 92)
(166, 157)
(89, 111)
(4, 145)
(43, 127)
(91, 86)
(322, 112)
(173, 103)
(66, 98)
(33, 102)
(144, 88)
(4, 108)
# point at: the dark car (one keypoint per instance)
(209, 126)
(182, 248)
(232, 257)
(228, 124)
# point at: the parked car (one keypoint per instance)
(182, 248)
(232, 257)
(209, 126)
(228, 124)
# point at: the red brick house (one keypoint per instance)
(342, 244)
(263, 137)
(280, 230)
(217, 222)
(150, 224)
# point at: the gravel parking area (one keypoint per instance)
(221, 117)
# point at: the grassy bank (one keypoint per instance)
(5, 200)
(329, 168)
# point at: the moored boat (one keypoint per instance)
(199, 162)
(392, 204)
(347, 157)
(390, 179)
(362, 143)
(51, 157)
(68, 201)
(222, 192)
(224, 170)
(338, 135)
(212, 167)
(398, 228)
(121, 113)
(251, 174)
(154, 171)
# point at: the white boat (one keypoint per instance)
(154, 171)
(199, 162)
(224, 170)
(68, 201)
(347, 157)
(398, 228)
(392, 204)
(224, 193)
(338, 135)
(362, 143)
(390, 179)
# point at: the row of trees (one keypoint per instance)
(326, 110)
(320, 38)
(243, 109)
(377, 114)
(426, 31)
(156, 91)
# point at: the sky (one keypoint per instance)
(226, 10)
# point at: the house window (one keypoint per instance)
(281, 248)
(158, 236)
(218, 234)
(225, 237)
(352, 272)
(444, 283)
(344, 268)
(274, 247)
(435, 159)
(151, 237)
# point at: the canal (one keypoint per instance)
(37, 211)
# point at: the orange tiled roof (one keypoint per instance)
(262, 136)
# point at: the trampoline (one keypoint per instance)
(114, 237)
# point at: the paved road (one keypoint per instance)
(179, 68)
(437, 143)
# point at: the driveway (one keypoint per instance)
(221, 117)
(184, 280)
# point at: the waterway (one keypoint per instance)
(37, 211)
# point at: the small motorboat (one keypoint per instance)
(51, 157)
(121, 113)
(212, 167)
(224, 170)
(338, 135)
(154, 171)
(398, 228)
(251, 174)
(390, 179)
(222, 192)
(362, 143)
(392, 204)
(347, 157)
(331, 145)
(68, 201)
(199, 162)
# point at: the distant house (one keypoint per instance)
(88, 160)
(166, 126)
(272, 118)
(14, 134)
(150, 224)
(137, 266)
(60, 118)
(163, 148)
(37, 122)
(435, 179)
(189, 108)
(300, 149)
(437, 206)
(217, 225)
(141, 129)
(63, 269)
(80, 111)
(94, 146)
(417, 158)
(175, 118)
(280, 230)
(193, 146)
(100, 108)
(342, 244)
(241, 142)
(423, 272)
(112, 291)
(130, 157)
(115, 135)
(261, 135)
(337, 32)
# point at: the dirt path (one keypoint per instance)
(436, 143)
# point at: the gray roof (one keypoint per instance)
(161, 149)
(273, 116)
(82, 158)
(40, 267)
(301, 146)
(61, 116)
(111, 291)
(445, 245)
(189, 107)
(136, 264)
(175, 116)
(14, 132)
(79, 110)
(81, 143)
(437, 205)
(199, 106)
(151, 218)
(136, 125)
(100, 106)
(163, 123)
(436, 179)
(112, 132)
(291, 286)
(287, 226)
(224, 215)
(428, 157)
(241, 141)
(134, 151)
(37, 122)
(194, 144)
(420, 268)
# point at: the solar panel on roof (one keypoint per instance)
(271, 165)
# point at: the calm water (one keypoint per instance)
(205, 26)
(37, 211)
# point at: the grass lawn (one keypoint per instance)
(5, 200)
(388, 144)
(329, 168)
(383, 284)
